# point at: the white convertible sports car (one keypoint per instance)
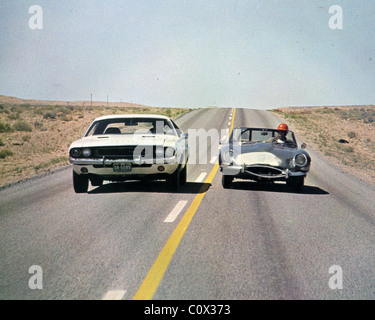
(130, 147)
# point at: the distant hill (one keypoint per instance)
(17, 101)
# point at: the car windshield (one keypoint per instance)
(253, 135)
(131, 126)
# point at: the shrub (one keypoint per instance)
(5, 127)
(26, 138)
(168, 112)
(22, 126)
(370, 119)
(14, 116)
(50, 115)
(2, 143)
(16, 109)
(5, 153)
(38, 111)
(61, 111)
(4, 109)
(67, 118)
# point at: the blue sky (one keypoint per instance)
(190, 53)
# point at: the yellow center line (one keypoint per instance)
(149, 285)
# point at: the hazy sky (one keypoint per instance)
(190, 53)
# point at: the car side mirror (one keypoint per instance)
(303, 145)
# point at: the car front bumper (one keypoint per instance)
(254, 172)
(104, 167)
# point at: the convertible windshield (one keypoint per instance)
(254, 135)
(131, 126)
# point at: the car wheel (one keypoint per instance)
(226, 181)
(183, 175)
(173, 180)
(80, 183)
(296, 183)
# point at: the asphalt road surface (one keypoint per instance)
(140, 240)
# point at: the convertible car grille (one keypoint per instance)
(264, 171)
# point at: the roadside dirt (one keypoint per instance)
(344, 135)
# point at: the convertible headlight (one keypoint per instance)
(300, 160)
(228, 156)
(169, 152)
(75, 152)
(86, 152)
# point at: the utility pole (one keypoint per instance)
(91, 100)
(83, 118)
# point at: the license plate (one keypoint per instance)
(122, 167)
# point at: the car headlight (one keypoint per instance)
(300, 160)
(227, 156)
(86, 152)
(159, 152)
(75, 152)
(169, 152)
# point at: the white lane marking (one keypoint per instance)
(230, 118)
(114, 295)
(229, 123)
(201, 177)
(213, 160)
(176, 211)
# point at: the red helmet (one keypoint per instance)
(282, 127)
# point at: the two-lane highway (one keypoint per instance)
(248, 242)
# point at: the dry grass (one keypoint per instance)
(323, 127)
(35, 136)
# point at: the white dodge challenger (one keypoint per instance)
(130, 147)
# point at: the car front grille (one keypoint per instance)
(127, 152)
(264, 171)
(116, 152)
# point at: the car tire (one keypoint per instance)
(173, 180)
(183, 175)
(296, 183)
(80, 183)
(226, 181)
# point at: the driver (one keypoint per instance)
(282, 131)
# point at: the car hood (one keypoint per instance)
(265, 154)
(124, 140)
